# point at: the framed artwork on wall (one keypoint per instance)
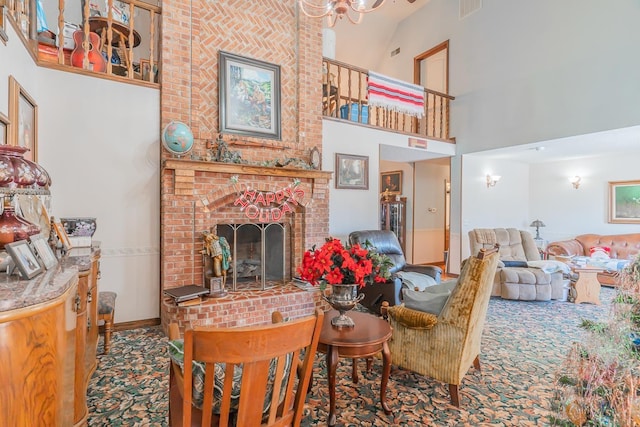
(4, 129)
(352, 172)
(391, 181)
(624, 202)
(24, 258)
(23, 116)
(249, 96)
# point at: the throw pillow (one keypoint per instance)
(515, 263)
(601, 252)
(550, 266)
(426, 302)
(444, 287)
(412, 280)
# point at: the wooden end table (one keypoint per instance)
(368, 337)
(587, 286)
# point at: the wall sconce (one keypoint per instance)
(492, 180)
(575, 181)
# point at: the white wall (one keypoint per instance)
(351, 210)
(568, 212)
(504, 205)
(524, 71)
(99, 141)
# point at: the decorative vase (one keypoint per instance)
(343, 298)
(13, 227)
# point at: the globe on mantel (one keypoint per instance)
(177, 138)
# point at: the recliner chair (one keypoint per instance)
(386, 242)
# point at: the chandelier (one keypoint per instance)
(338, 9)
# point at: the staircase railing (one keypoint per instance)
(344, 96)
(115, 38)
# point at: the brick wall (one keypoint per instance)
(267, 30)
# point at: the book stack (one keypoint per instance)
(187, 295)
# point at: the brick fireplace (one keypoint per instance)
(198, 194)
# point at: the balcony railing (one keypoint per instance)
(114, 38)
(344, 96)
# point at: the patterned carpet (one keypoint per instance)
(523, 344)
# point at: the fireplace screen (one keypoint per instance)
(260, 254)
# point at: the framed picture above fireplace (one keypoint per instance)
(249, 96)
(352, 172)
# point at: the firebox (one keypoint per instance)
(260, 254)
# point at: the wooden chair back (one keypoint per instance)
(252, 348)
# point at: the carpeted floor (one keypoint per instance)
(523, 344)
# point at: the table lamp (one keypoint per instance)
(537, 224)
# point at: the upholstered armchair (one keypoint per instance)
(521, 274)
(386, 242)
(444, 346)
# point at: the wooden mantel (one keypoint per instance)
(185, 172)
(202, 166)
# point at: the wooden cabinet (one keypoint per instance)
(393, 217)
(48, 341)
(37, 354)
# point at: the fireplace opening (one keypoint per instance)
(261, 254)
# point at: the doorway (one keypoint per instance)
(433, 183)
(431, 70)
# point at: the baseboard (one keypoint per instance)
(125, 326)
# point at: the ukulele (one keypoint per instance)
(96, 60)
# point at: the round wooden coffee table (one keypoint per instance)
(368, 337)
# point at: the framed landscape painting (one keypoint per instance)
(624, 202)
(249, 96)
(352, 172)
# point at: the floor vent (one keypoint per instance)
(467, 7)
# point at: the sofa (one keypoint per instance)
(386, 242)
(521, 273)
(621, 247)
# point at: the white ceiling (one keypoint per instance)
(624, 140)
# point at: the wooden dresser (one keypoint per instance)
(48, 340)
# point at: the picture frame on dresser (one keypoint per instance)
(63, 237)
(24, 259)
(44, 251)
(23, 115)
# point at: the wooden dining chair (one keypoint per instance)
(253, 375)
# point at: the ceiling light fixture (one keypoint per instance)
(338, 9)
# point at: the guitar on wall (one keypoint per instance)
(96, 60)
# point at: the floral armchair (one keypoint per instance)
(444, 346)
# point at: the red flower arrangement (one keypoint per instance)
(336, 264)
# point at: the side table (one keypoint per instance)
(587, 286)
(368, 337)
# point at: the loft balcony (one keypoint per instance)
(125, 36)
(345, 97)
(114, 39)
